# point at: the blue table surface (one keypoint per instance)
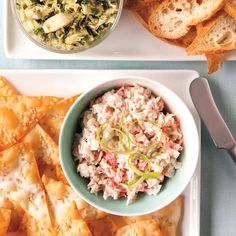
(218, 174)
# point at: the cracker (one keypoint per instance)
(19, 114)
(53, 120)
(17, 212)
(5, 88)
(31, 227)
(20, 181)
(5, 217)
(169, 217)
(143, 228)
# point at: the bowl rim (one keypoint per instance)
(131, 79)
(54, 50)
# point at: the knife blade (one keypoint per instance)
(204, 102)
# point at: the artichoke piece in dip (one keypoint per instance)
(57, 22)
(67, 24)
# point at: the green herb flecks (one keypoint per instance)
(67, 25)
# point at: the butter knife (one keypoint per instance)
(204, 102)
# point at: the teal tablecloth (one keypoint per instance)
(218, 174)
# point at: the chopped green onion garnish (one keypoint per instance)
(122, 138)
(125, 138)
(133, 183)
(147, 174)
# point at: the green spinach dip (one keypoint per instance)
(67, 24)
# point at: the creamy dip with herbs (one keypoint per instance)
(67, 24)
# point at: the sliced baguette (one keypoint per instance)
(142, 15)
(230, 8)
(216, 36)
(136, 5)
(215, 61)
(186, 40)
(172, 19)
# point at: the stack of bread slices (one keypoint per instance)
(201, 26)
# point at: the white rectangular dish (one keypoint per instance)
(129, 41)
(66, 83)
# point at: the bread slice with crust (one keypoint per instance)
(135, 5)
(215, 61)
(172, 19)
(143, 14)
(186, 40)
(230, 8)
(215, 36)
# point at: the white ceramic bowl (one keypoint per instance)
(145, 203)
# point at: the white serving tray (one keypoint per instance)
(66, 83)
(129, 41)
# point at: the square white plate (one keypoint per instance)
(66, 83)
(129, 41)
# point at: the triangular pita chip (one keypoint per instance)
(121, 221)
(5, 88)
(32, 227)
(46, 153)
(63, 209)
(19, 114)
(60, 198)
(90, 213)
(169, 216)
(73, 224)
(45, 149)
(53, 120)
(54, 172)
(20, 181)
(17, 212)
(142, 228)
(5, 217)
(167, 219)
(103, 227)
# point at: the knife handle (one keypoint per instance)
(232, 153)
